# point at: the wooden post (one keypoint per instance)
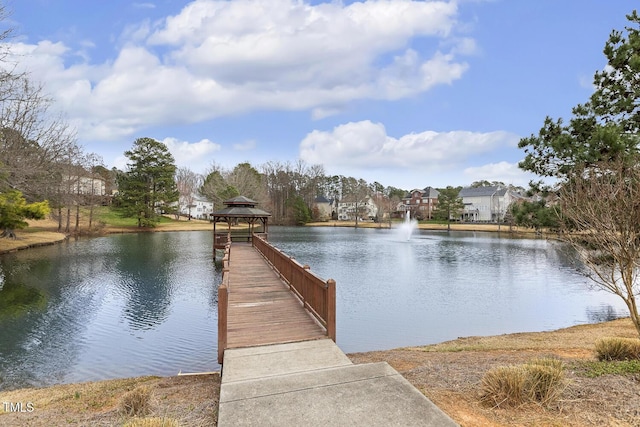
(305, 286)
(223, 301)
(331, 309)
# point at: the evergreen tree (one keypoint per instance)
(148, 188)
(596, 160)
(14, 209)
(449, 204)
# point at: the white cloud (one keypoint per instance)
(193, 155)
(142, 5)
(245, 146)
(218, 58)
(366, 145)
(365, 150)
(506, 172)
(188, 154)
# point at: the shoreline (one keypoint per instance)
(447, 373)
(44, 232)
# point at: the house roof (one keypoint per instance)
(483, 191)
(429, 192)
(322, 199)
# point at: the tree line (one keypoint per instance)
(153, 185)
(41, 162)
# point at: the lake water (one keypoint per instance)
(146, 304)
(393, 292)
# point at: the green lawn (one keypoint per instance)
(114, 218)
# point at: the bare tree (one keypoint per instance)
(32, 141)
(187, 183)
(600, 205)
(248, 182)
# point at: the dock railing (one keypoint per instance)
(223, 302)
(317, 295)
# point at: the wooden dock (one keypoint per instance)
(282, 367)
(262, 309)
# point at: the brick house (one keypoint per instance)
(421, 203)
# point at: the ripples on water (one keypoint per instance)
(146, 304)
(119, 306)
(438, 286)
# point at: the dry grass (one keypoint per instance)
(153, 422)
(188, 400)
(135, 402)
(617, 348)
(43, 232)
(540, 381)
(449, 374)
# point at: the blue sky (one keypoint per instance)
(407, 93)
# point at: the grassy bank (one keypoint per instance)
(449, 374)
(106, 221)
(431, 225)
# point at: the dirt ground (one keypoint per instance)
(449, 374)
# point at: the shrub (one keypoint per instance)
(136, 401)
(503, 386)
(617, 348)
(152, 422)
(545, 381)
(539, 381)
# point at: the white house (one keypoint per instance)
(85, 185)
(486, 204)
(367, 209)
(196, 206)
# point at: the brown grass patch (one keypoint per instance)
(190, 400)
(450, 375)
(153, 422)
(135, 402)
(617, 348)
(540, 381)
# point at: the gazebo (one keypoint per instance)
(238, 208)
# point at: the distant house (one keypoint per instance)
(421, 203)
(366, 209)
(83, 184)
(197, 206)
(323, 208)
(486, 204)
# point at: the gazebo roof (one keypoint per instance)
(240, 207)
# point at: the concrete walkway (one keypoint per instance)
(313, 383)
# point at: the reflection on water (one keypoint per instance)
(146, 304)
(16, 299)
(439, 286)
(603, 313)
(119, 306)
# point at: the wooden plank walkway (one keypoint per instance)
(262, 309)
